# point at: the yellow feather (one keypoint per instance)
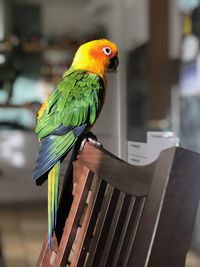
(50, 175)
(53, 176)
(53, 193)
(42, 109)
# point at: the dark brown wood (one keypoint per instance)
(112, 230)
(148, 223)
(179, 208)
(159, 63)
(72, 222)
(128, 216)
(134, 180)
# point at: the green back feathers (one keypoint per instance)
(75, 101)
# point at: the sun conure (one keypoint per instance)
(71, 110)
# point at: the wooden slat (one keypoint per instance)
(112, 231)
(85, 224)
(60, 256)
(92, 223)
(66, 186)
(96, 241)
(134, 219)
(74, 218)
(121, 231)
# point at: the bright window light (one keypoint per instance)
(2, 59)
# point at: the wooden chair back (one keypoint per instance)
(119, 215)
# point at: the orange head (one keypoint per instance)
(96, 56)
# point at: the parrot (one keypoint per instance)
(69, 112)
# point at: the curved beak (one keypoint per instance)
(114, 62)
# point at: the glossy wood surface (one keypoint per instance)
(122, 215)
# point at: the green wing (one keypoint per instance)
(75, 101)
(73, 105)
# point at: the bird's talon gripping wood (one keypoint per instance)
(82, 145)
(94, 142)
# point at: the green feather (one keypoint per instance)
(75, 99)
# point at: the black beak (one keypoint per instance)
(114, 62)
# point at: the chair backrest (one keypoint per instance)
(120, 215)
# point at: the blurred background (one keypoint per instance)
(157, 88)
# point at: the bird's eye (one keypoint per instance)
(107, 51)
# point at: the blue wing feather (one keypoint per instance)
(47, 157)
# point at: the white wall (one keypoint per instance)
(106, 127)
(137, 22)
(58, 19)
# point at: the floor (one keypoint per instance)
(22, 233)
(192, 260)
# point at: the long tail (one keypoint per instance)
(53, 178)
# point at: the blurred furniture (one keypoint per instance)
(18, 152)
(145, 153)
(124, 215)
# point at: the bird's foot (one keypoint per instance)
(82, 145)
(92, 139)
(94, 142)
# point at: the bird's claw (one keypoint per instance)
(82, 145)
(92, 139)
(94, 142)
